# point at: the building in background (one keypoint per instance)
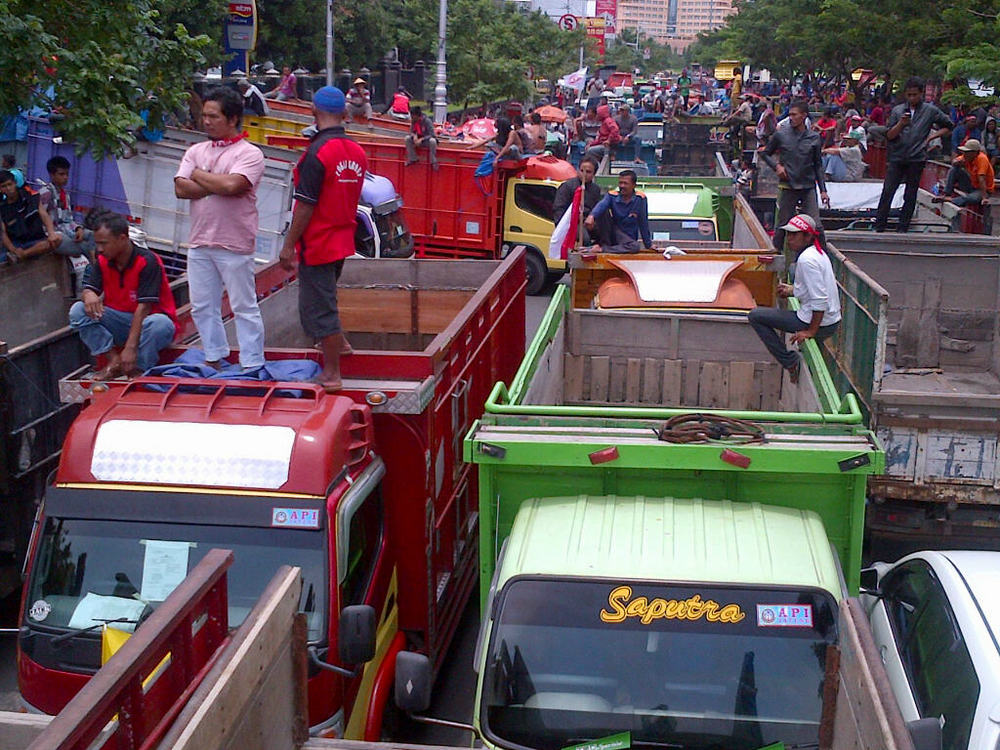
(673, 22)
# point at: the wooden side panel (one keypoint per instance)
(867, 715)
(672, 381)
(248, 697)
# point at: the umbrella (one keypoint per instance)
(550, 113)
(482, 127)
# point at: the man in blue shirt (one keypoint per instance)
(628, 214)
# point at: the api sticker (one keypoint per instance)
(784, 616)
(295, 518)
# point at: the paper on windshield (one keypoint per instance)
(95, 609)
(164, 566)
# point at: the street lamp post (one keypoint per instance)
(441, 86)
(329, 42)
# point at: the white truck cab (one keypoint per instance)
(935, 616)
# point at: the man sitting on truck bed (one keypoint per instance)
(816, 290)
(126, 310)
(27, 230)
(629, 216)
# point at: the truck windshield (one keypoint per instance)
(683, 229)
(89, 570)
(695, 667)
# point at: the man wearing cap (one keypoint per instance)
(845, 163)
(816, 290)
(328, 182)
(911, 128)
(253, 99)
(972, 173)
(359, 103)
(220, 177)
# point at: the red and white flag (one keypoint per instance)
(564, 235)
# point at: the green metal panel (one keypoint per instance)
(504, 400)
(722, 187)
(798, 466)
(856, 352)
(670, 539)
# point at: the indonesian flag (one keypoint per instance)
(564, 235)
(575, 80)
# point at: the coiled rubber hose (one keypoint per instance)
(709, 428)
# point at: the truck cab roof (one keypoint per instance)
(667, 199)
(671, 539)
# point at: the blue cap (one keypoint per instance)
(330, 99)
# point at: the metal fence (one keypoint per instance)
(855, 354)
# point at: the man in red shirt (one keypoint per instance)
(328, 181)
(126, 310)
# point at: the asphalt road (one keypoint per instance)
(456, 684)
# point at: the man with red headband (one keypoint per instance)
(816, 290)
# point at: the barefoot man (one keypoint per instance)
(328, 181)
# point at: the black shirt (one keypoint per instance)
(564, 198)
(910, 144)
(22, 220)
(801, 156)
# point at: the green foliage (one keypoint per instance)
(94, 63)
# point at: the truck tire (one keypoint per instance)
(538, 272)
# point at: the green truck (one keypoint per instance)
(641, 586)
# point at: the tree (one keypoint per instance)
(97, 65)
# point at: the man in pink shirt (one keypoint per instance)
(220, 178)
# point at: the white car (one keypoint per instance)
(936, 621)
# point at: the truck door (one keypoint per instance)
(365, 575)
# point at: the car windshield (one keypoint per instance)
(696, 667)
(91, 570)
(682, 229)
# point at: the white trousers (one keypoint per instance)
(212, 270)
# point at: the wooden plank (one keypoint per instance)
(574, 377)
(651, 381)
(691, 382)
(909, 328)
(772, 387)
(18, 730)
(928, 339)
(633, 369)
(390, 310)
(616, 390)
(672, 378)
(714, 391)
(741, 393)
(233, 685)
(600, 372)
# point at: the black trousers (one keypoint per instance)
(897, 173)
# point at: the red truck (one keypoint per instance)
(365, 489)
(451, 213)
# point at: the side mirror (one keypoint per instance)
(413, 682)
(869, 581)
(357, 634)
(925, 733)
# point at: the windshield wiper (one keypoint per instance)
(102, 622)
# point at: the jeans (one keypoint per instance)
(70, 247)
(834, 168)
(767, 321)
(896, 173)
(210, 270)
(958, 178)
(112, 330)
(789, 200)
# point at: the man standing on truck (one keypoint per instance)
(816, 290)
(328, 182)
(629, 216)
(799, 169)
(126, 310)
(910, 130)
(565, 199)
(220, 177)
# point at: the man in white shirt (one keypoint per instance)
(816, 290)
